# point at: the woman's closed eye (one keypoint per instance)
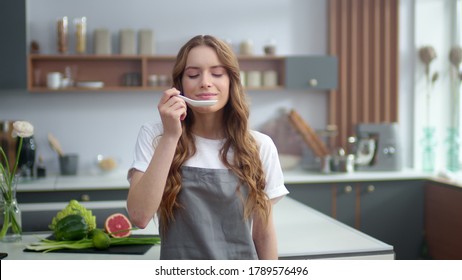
(218, 72)
(194, 76)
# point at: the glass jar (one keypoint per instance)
(80, 35)
(62, 34)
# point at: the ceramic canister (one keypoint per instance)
(254, 79)
(153, 80)
(270, 78)
(54, 80)
(243, 78)
(102, 41)
(246, 47)
(146, 42)
(127, 42)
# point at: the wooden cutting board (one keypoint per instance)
(308, 134)
(120, 249)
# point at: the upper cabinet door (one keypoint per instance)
(311, 72)
(13, 44)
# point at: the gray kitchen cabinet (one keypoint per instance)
(311, 72)
(39, 207)
(344, 204)
(13, 47)
(391, 211)
(66, 196)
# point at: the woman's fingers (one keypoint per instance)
(168, 94)
(168, 104)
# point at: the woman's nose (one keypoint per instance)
(206, 81)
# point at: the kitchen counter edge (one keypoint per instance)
(298, 176)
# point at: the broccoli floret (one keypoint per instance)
(74, 207)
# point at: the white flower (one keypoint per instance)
(22, 129)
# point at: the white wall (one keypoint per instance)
(107, 122)
(298, 26)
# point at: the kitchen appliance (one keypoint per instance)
(378, 147)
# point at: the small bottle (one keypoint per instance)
(41, 170)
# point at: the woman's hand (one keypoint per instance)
(172, 111)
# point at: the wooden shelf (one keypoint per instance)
(113, 70)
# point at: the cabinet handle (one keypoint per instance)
(313, 82)
(85, 197)
(348, 189)
(370, 188)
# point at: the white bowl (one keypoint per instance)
(90, 84)
(289, 161)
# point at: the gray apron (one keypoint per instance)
(211, 224)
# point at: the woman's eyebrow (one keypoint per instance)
(191, 67)
(197, 67)
(218, 66)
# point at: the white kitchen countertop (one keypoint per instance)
(303, 233)
(117, 179)
(114, 180)
(303, 176)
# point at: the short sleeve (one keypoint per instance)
(148, 136)
(275, 188)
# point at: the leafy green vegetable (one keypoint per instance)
(74, 207)
(71, 227)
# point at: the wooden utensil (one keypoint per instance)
(55, 145)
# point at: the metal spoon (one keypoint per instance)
(198, 103)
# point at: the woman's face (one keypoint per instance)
(205, 78)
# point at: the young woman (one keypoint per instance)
(211, 180)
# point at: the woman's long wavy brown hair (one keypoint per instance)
(246, 163)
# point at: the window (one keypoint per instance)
(436, 127)
(458, 36)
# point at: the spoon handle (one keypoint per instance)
(197, 103)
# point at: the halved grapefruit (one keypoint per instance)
(118, 225)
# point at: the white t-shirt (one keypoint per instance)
(207, 156)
